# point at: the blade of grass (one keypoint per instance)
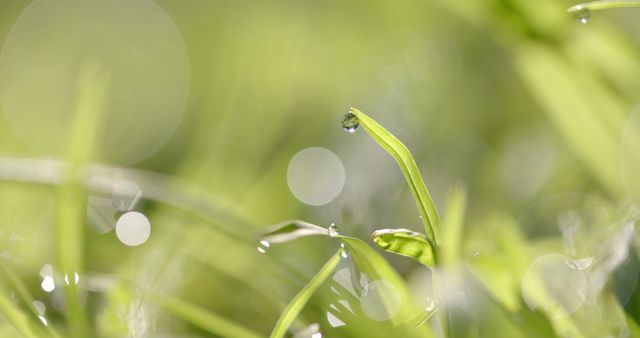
(453, 223)
(290, 230)
(17, 318)
(201, 318)
(600, 5)
(71, 195)
(405, 242)
(295, 306)
(411, 173)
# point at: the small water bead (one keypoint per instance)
(344, 253)
(76, 279)
(350, 122)
(333, 230)
(39, 306)
(582, 14)
(48, 284)
(263, 246)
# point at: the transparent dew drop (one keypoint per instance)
(333, 230)
(48, 284)
(431, 305)
(582, 15)
(76, 279)
(344, 253)
(263, 246)
(350, 122)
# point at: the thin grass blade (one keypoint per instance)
(291, 230)
(300, 300)
(410, 170)
(201, 318)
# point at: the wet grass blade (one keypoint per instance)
(300, 300)
(406, 243)
(201, 318)
(600, 5)
(410, 170)
(291, 230)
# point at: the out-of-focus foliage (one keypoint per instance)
(189, 112)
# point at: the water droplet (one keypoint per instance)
(133, 228)
(75, 281)
(350, 122)
(39, 306)
(263, 246)
(333, 230)
(344, 253)
(334, 321)
(48, 284)
(43, 320)
(582, 14)
(431, 305)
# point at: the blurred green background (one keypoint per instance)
(203, 105)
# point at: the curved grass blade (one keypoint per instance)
(411, 173)
(419, 319)
(406, 243)
(600, 5)
(291, 230)
(295, 306)
(377, 268)
(201, 318)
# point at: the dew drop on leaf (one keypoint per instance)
(263, 246)
(350, 122)
(333, 230)
(582, 14)
(344, 253)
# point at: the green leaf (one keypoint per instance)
(297, 304)
(291, 230)
(411, 173)
(406, 243)
(201, 318)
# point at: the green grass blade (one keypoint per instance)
(291, 230)
(406, 243)
(600, 5)
(293, 309)
(453, 224)
(411, 173)
(17, 318)
(71, 195)
(201, 318)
